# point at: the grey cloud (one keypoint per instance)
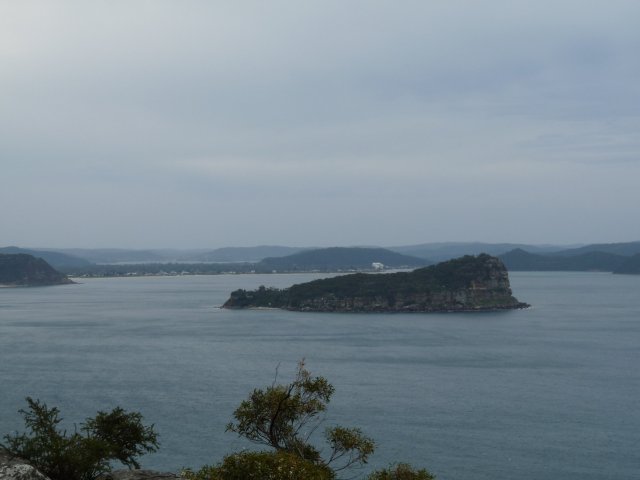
(331, 113)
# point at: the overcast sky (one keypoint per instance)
(208, 123)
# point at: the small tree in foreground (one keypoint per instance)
(285, 417)
(85, 454)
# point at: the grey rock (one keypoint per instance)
(14, 468)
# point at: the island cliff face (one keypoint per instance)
(469, 283)
(22, 270)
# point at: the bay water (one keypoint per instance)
(550, 392)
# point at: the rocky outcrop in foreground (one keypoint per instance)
(469, 283)
(14, 468)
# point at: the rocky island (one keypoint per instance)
(469, 283)
(22, 270)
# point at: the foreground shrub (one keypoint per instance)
(262, 466)
(284, 417)
(84, 455)
(401, 471)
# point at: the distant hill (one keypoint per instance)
(114, 255)
(630, 266)
(53, 258)
(519, 259)
(340, 259)
(22, 270)
(329, 259)
(439, 252)
(625, 249)
(243, 254)
(164, 268)
(464, 284)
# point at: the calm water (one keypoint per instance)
(546, 393)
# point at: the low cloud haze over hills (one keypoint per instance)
(207, 124)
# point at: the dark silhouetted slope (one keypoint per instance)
(21, 270)
(590, 261)
(625, 249)
(55, 259)
(448, 250)
(630, 266)
(243, 254)
(114, 255)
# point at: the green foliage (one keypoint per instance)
(348, 446)
(401, 471)
(83, 455)
(124, 433)
(263, 297)
(282, 416)
(285, 416)
(262, 466)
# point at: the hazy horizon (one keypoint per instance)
(210, 248)
(196, 124)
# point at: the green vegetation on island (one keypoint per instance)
(469, 283)
(22, 270)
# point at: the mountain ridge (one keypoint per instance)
(52, 257)
(341, 258)
(521, 260)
